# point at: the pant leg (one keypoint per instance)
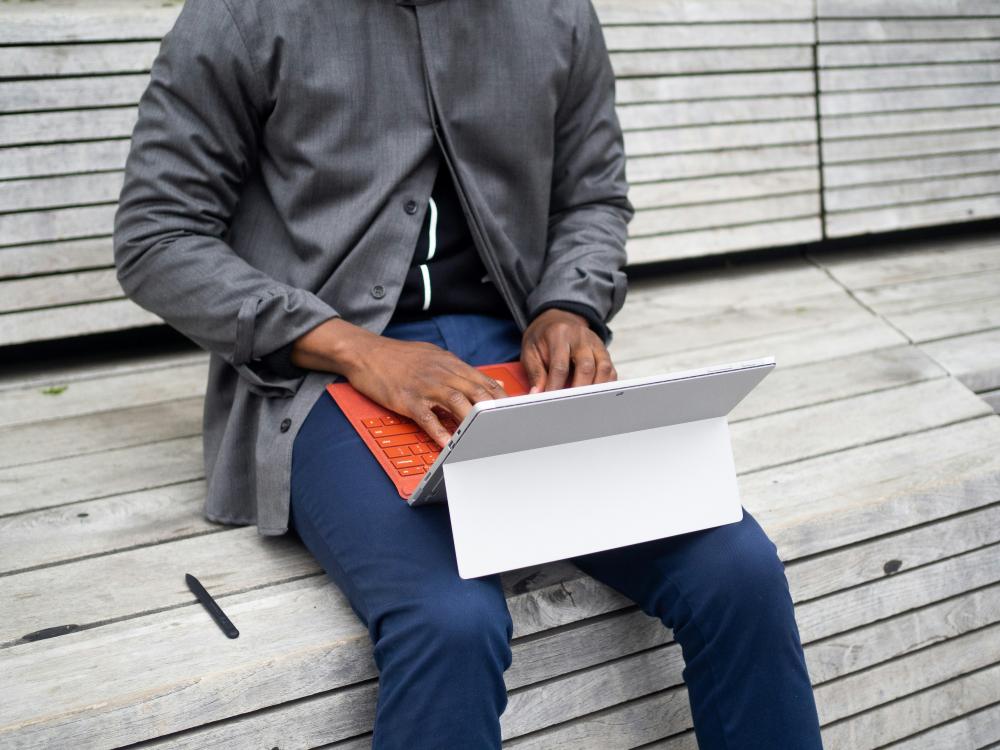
(441, 643)
(723, 592)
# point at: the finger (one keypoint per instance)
(493, 388)
(559, 360)
(534, 366)
(605, 369)
(453, 400)
(430, 423)
(584, 365)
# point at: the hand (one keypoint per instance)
(410, 378)
(558, 344)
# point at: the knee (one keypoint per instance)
(469, 620)
(749, 577)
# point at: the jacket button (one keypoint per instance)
(378, 291)
(285, 424)
(410, 207)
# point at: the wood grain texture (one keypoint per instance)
(60, 290)
(904, 8)
(71, 480)
(948, 188)
(716, 86)
(715, 111)
(974, 359)
(827, 502)
(717, 60)
(919, 295)
(72, 93)
(56, 224)
(738, 161)
(71, 125)
(96, 394)
(706, 242)
(719, 189)
(95, 364)
(87, 434)
(898, 123)
(69, 60)
(100, 527)
(714, 137)
(56, 192)
(907, 76)
(63, 158)
(78, 21)
(974, 731)
(656, 221)
(901, 100)
(920, 711)
(913, 215)
(617, 12)
(902, 53)
(705, 35)
(953, 320)
(908, 29)
(30, 260)
(905, 550)
(919, 168)
(904, 146)
(858, 650)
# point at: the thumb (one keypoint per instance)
(531, 360)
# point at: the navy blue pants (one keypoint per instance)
(442, 643)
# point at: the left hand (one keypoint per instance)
(558, 346)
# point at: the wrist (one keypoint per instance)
(333, 346)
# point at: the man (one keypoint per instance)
(395, 191)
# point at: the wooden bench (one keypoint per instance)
(875, 472)
(718, 98)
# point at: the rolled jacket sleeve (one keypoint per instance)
(589, 209)
(193, 149)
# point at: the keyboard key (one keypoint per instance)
(402, 463)
(429, 459)
(396, 429)
(411, 471)
(397, 452)
(389, 421)
(373, 422)
(419, 449)
(425, 438)
(396, 440)
(449, 424)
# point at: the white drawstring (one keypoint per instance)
(432, 238)
(427, 286)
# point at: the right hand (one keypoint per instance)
(411, 378)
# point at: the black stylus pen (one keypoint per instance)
(213, 609)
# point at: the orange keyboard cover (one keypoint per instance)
(404, 450)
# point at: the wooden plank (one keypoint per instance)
(683, 741)
(63, 322)
(737, 161)
(620, 728)
(898, 123)
(944, 322)
(718, 60)
(912, 215)
(899, 146)
(72, 125)
(714, 137)
(715, 86)
(66, 158)
(78, 21)
(93, 433)
(56, 224)
(717, 189)
(842, 498)
(904, 8)
(795, 387)
(693, 294)
(970, 732)
(115, 472)
(100, 527)
(907, 76)
(912, 261)
(29, 260)
(861, 649)
(907, 30)
(903, 53)
(617, 12)
(62, 289)
(905, 550)
(802, 346)
(825, 617)
(872, 196)
(715, 111)
(705, 35)
(77, 59)
(656, 221)
(992, 399)
(921, 168)
(97, 394)
(921, 711)
(534, 708)
(52, 192)
(72, 93)
(918, 295)
(812, 431)
(230, 561)
(725, 326)
(974, 360)
(901, 100)
(909, 674)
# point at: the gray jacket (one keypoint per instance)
(281, 149)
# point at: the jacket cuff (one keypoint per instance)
(280, 362)
(584, 311)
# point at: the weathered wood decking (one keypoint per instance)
(866, 455)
